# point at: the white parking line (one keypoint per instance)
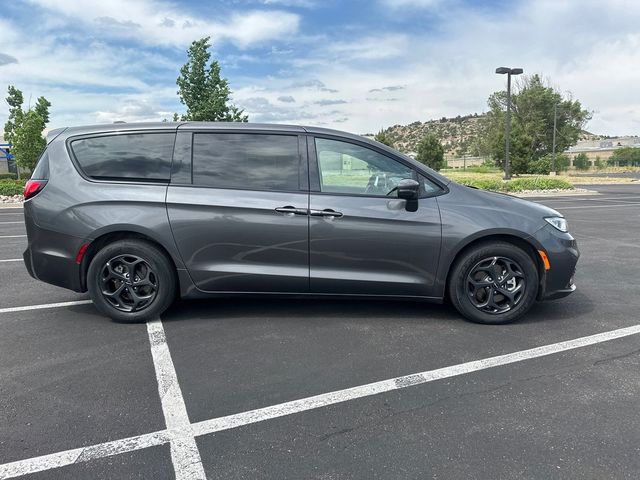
(12, 236)
(11, 260)
(599, 206)
(68, 457)
(44, 305)
(185, 456)
(4, 223)
(83, 454)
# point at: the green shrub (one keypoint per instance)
(599, 164)
(11, 187)
(581, 162)
(541, 166)
(518, 185)
(562, 163)
(537, 183)
(8, 176)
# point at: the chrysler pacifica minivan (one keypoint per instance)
(137, 214)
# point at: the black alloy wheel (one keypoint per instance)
(496, 285)
(131, 280)
(494, 282)
(129, 283)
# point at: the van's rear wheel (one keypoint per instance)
(131, 281)
(494, 283)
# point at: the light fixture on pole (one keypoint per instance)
(509, 72)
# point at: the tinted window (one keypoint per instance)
(139, 156)
(246, 161)
(349, 168)
(41, 172)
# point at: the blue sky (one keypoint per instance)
(356, 66)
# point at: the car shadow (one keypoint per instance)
(373, 309)
(310, 308)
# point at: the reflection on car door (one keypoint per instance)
(361, 240)
(242, 224)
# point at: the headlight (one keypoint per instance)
(558, 222)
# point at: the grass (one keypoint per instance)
(11, 187)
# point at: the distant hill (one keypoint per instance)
(458, 135)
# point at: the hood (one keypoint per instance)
(505, 201)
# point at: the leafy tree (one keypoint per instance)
(581, 162)
(201, 88)
(15, 100)
(383, 137)
(24, 128)
(430, 152)
(625, 157)
(28, 142)
(532, 123)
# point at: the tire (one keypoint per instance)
(480, 297)
(127, 265)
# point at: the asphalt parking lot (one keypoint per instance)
(301, 389)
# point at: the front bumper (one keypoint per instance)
(562, 251)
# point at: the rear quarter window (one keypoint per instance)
(41, 172)
(130, 156)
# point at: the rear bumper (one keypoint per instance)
(562, 251)
(50, 256)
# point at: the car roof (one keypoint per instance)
(141, 126)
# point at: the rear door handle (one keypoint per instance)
(292, 210)
(327, 212)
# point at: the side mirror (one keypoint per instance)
(409, 190)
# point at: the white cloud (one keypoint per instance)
(411, 3)
(445, 68)
(589, 51)
(155, 22)
(292, 3)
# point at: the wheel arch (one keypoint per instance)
(112, 236)
(527, 244)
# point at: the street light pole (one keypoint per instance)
(555, 119)
(507, 128)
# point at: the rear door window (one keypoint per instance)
(246, 161)
(128, 156)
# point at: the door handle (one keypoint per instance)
(292, 210)
(327, 212)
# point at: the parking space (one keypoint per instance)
(70, 379)
(73, 379)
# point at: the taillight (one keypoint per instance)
(33, 187)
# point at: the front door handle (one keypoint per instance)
(292, 210)
(327, 212)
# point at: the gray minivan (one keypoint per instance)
(139, 213)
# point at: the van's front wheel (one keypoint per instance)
(131, 281)
(494, 283)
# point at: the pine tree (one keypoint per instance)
(430, 152)
(203, 90)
